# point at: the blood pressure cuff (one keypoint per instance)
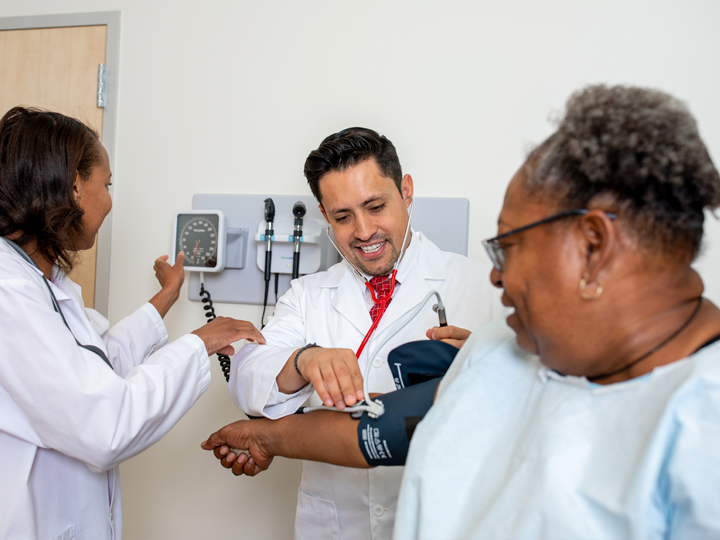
(385, 440)
(420, 361)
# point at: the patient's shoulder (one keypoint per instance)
(492, 347)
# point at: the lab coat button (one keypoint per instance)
(377, 362)
(378, 510)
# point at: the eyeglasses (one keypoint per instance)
(496, 252)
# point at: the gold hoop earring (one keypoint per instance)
(583, 292)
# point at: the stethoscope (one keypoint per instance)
(375, 408)
(392, 277)
(56, 306)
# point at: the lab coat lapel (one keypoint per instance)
(69, 296)
(349, 299)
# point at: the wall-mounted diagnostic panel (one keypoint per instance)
(243, 279)
(289, 233)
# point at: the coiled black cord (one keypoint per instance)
(262, 317)
(210, 314)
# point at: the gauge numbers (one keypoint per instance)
(201, 237)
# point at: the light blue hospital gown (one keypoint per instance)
(514, 450)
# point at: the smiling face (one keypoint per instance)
(368, 215)
(543, 267)
(94, 199)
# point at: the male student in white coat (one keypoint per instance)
(321, 321)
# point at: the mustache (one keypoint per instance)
(374, 239)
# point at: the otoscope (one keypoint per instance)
(298, 212)
(269, 232)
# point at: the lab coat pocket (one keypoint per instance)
(69, 534)
(316, 518)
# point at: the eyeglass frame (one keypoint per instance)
(495, 250)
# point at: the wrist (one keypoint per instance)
(164, 300)
(171, 293)
(267, 435)
(281, 436)
(273, 437)
(300, 351)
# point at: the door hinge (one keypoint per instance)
(102, 86)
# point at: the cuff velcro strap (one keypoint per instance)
(385, 440)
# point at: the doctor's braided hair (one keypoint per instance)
(40, 154)
(637, 151)
(347, 148)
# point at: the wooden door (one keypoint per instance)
(56, 69)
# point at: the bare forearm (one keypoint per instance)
(164, 300)
(289, 380)
(326, 436)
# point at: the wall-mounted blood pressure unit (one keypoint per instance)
(202, 236)
(243, 246)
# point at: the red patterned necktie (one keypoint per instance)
(381, 284)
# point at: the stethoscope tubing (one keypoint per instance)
(56, 305)
(395, 266)
(375, 408)
(392, 277)
(383, 306)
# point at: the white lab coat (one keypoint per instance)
(330, 309)
(66, 419)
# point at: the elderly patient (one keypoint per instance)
(595, 411)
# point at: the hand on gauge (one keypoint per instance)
(221, 332)
(171, 278)
(449, 334)
(334, 374)
(251, 435)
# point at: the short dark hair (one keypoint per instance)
(639, 149)
(347, 148)
(40, 154)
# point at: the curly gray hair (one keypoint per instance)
(638, 150)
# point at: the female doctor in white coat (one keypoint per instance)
(77, 397)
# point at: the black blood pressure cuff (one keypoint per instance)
(420, 361)
(385, 440)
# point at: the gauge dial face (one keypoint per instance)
(198, 238)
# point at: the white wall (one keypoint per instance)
(229, 96)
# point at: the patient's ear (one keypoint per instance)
(599, 240)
